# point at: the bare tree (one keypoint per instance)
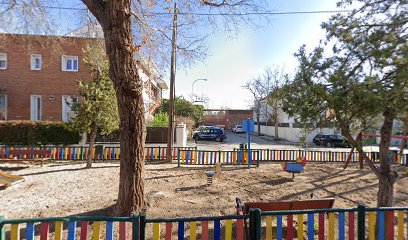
(134, 28)
(276, 79)
(266, 92)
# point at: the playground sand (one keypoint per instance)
(68, 189)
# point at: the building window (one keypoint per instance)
(67, 103)
(36, 62)
(70, 63)
(3, 60)
(3, 107)
(35, 108)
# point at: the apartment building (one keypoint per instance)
(38, 77)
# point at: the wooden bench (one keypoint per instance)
(284, 205)
(28, 155)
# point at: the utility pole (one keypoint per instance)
(170, 130)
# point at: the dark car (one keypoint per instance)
(331, 140)
(210, 134)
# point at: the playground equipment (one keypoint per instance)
(7, 180)
(295, 167)
(359, 140)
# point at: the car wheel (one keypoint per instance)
(218, 139)
(329, 144)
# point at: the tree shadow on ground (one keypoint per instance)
(65, 170)
(183, 189)
(17, 168)
(277, 181)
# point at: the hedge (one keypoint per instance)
(29, 133)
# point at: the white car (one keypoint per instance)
(237, 129)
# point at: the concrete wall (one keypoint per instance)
(293, 134)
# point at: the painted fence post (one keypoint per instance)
(255, 224)
(2, 230)
(135, 226)
(142, 227)
(361, 209)
(258, 157)
(219, 156)
(159, 153)
(178, 157)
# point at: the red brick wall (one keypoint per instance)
(227, 118)
(19, 81)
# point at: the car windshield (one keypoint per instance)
(238, 126)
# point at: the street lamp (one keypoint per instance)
(192, 86)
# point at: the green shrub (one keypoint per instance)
(161, 119)
(36, 133)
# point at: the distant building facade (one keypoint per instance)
(226, 118)
(39, 74)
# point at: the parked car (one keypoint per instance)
(237, 129)
(201, 127)
(331, 140)
(210, 133)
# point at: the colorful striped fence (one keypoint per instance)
(353, 223)
(226, 157)
(204, 228)
(317, 156)
(70, 228)
(205, 157)
(109, 153)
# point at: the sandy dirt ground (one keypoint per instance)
(68, 189)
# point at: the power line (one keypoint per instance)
(204, 14)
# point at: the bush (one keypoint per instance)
(161, 119)
(36, 133)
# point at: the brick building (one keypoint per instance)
(227, 118)
(38, 77)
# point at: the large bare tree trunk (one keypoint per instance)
(386, 177)
(115, 19)
(91, 155)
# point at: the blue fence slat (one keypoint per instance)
(109, 230)
(310, 226)
(279, 227)
(71, 230)
(381, 225)
(181, 230)
(341, 226)
(30, 231)
(217, 230)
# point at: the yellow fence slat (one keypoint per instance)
(156, 231)
(269, 228)
(96, 230)
(228, 229)
(401, 225)
(15, 232)
(193, 230)
(300, 227)
(331, 226)
(371, 225)
(58, 230)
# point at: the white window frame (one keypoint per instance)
(63, 107)
(5, 107)
(64, 60)
(32, 117)
(3, 56)
(33, 57)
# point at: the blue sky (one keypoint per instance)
(233, 61)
